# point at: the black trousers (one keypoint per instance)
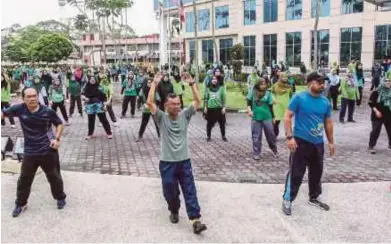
(349, 105)
(50, 164)
(359, 100)
(334, 96)
(77, 100)
(110, 110)
(375, 83)
(276, 127)
(125, 104)
(144, 122)
(376, 129)
(3, 106)
(215, 115)
(61, 105)
(103, 120)
(306, 155)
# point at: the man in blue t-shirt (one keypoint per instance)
(312, 112)
(40, 148)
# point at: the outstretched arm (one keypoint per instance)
(151, 95)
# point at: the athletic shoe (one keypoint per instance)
(67, 123)
(352, 121)
(389, 148)
(99, 125)
(13, 126)
(88, 137)
(132, 116)
(371, 150)
(174, 218)
(61, 204)
(342, 122)
(109, 136)
(81, 115)
(198, 227)
(225, 139)
(275, 153)
(287, 207)
(208, 139)
(256, 157)
(18, 210)
(115, 124)
(70, 116)
(319, 204)
(139, 139)
(122, 116)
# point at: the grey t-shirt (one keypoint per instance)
(173, 138)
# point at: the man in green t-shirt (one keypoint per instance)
(129, 93)
(259, 108)
(175, 166)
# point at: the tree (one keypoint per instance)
(315, 33)
(237, 53)
(51, 47)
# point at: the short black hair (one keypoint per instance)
(170, 96)
(24, 90)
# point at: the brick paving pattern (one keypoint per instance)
(217, 160)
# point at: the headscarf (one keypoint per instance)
(384, 96)
(350, 81)
(92, 91)
(282, 86)
(359, 72)
(258, 92)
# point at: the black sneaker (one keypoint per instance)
(174, 218)
(198, 227)
(276, 154)
(319, 204)
(352, 121)
(18, 210)
(208, 139)
(389, 148)
(371, 150)
(139, 139)
(225, 139)
(342, 122)
(287, 207)
(61, 204)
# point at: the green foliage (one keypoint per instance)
(51, 48)
(237, 53)
(299, 79)
(81, 22)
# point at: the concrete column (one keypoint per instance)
(163, 39)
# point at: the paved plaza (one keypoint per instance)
(217, 160)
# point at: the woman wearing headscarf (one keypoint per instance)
(46, 79)
(335, 66)
(282, 92)
(108, 89)
(376, 74)
(359, 78)
(6, 98)
(275, 75)
(129, 93)
(57, 98)
(260, 109)
(380, 103)
(252, 79)
(214, 107)
(334, 83)
(42, 92)
(349, 94)
(95, 98)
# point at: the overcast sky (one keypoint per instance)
(140, 16)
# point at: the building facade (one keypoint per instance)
(140, 49)
(283, 30)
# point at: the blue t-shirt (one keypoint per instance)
(310, 115)
(37, 127)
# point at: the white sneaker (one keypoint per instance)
(115, 124)
(13, 126)
(99, 125)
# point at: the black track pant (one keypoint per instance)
(144, 122)
(60, 105)
(102, 118)
(125, 104)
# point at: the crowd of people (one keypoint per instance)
(271, 99)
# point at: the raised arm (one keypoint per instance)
(194, 89)
(151, 95)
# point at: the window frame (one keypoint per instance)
(252, 5)
(287, 18)
(351, 43)
(249, 48)
(269, 48)
(294, 46)
(225, 8)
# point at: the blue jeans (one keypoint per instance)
(256, 129)
(179, 173)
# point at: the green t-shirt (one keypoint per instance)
(74, 88)
(173, 139)
(215, 99)
(261, 107)
(6, 94)
(56, 95)
(130, 89)
(178, 88)
(107, 88)
(347, 91)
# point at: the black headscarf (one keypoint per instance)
(93, 92)
(359, 72)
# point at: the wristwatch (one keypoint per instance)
(289, 138)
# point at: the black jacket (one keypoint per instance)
(382, 109)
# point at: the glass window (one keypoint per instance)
(250, 13)
(324, 8)
(189, 22)
(249, 50)
(352, 6)
(207, 51)
(269, 48)
(382, 42)
(293, 48)
(203, 19)
(294, 9)
(270, 11)
(222, 17)
(192, 50)
(225, 46)
(350, 45)
(323, 46)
